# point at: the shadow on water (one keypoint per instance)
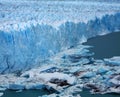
(105, 46)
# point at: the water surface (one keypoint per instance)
(25, 93)
(105, 46)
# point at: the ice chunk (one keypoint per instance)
(88, 74)
(114, 90)
(102, 70)
(2, 89)
(30, 86)
(28, 74)
(1, 94)
(51, 95)
(56, 75)
(16, 86)
(113, 61)
(51, 70)
(39, 86)
(115, 80)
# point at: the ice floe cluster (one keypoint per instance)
(67, 74)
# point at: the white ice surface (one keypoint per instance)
(18, 15)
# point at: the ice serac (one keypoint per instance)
(31, 32)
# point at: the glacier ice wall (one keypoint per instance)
(30, 34)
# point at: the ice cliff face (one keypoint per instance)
(31, 32)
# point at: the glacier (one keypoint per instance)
(32, 32)
(64, 77)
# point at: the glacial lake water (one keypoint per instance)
(25, 93)
(38, 93)
(103, 46)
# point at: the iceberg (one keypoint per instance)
(51, 76)
(16, 87)
(113, 61)
(115, 80)
(1, 94)
(88, 75)
(103, 70)
(114, 90)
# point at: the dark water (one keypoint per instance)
(87, 94)
(25, 93)
(105, 46)
(36, 93)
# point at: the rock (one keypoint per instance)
(95, 88)
(91, 86)
(78, 73)
(59, 82)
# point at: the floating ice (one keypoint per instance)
(67, 80)
(113, 61)
(16, 86)
(1, 94)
